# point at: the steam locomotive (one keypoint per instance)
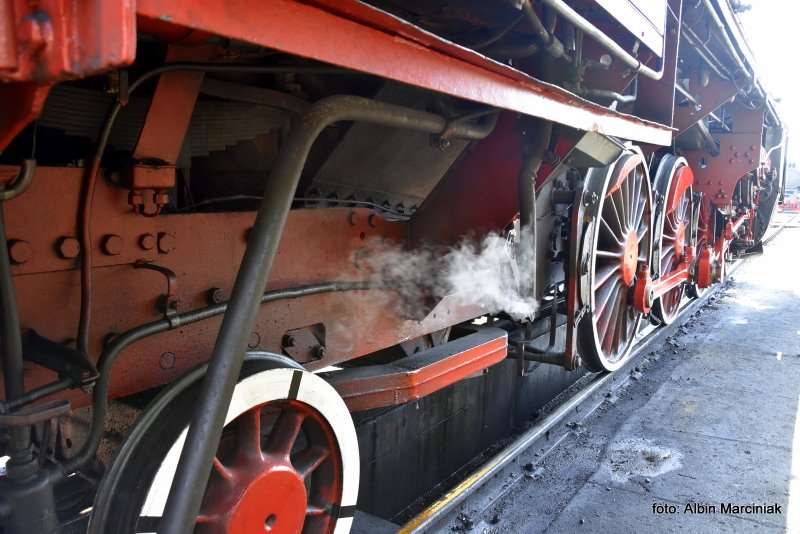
(192, 194)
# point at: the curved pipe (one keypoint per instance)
(126, 339)
(87, 199)
(592, 31)
(226, 360)
(21, 182)
(727, 40)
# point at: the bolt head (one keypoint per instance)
(19, 251)
(216, 295)
(166, 243)
(68, 248)
(112, 245)
(147, 241)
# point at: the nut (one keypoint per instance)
(68, 247)
(215, 295)
(19, 251)
(166, 242)
(112, 245)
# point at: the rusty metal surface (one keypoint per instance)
(414, 377)
(354, 35)
(203, 251)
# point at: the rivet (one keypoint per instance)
(19, 251)
(167, 360)
(68, 247)
(147, 241)
(112, 245)
(254, 341)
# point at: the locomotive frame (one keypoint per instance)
(635, 154)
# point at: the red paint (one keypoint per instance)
(355, 35)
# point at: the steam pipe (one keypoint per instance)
(704, 53)
(205, 429)
(551, 42)
(724, 33)
(611, 95)
(591, 30)
(124, 340)
(526, 185)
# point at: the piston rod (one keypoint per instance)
(205, 429)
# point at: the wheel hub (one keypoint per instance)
(267, 496)
(274, 502)
(630, 257)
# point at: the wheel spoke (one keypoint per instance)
(608, 254)
(285, 432)
(620, 324)
(223, 472)
(314, 510)
(610, 232)
(637, 198)
(608, 318)
(248, 435)
(617, 214)
(310, 459)
(601, 277)
(602, 297)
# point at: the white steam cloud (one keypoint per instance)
(495, 273)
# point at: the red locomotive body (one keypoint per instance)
(278, 212)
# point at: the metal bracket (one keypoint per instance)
(169, 301)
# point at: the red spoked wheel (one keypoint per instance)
(673, 180)
(278, 470)
(287, 461)
(619, 241)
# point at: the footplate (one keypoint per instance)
(413, 377)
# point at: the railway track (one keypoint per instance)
(585, 396)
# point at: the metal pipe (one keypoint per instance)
(591, 30)
(551, 43)
(611, 95)
(728, 43)
(705, 54)
(124, 340)
(38, 393)
(19, 184)
(11, 343)
(205, 429)
(87, 197)
(526, 184)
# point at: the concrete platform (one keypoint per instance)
(711, 418)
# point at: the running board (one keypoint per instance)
(418, 375)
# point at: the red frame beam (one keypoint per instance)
(354, 35)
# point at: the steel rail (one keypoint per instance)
(437, 511)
